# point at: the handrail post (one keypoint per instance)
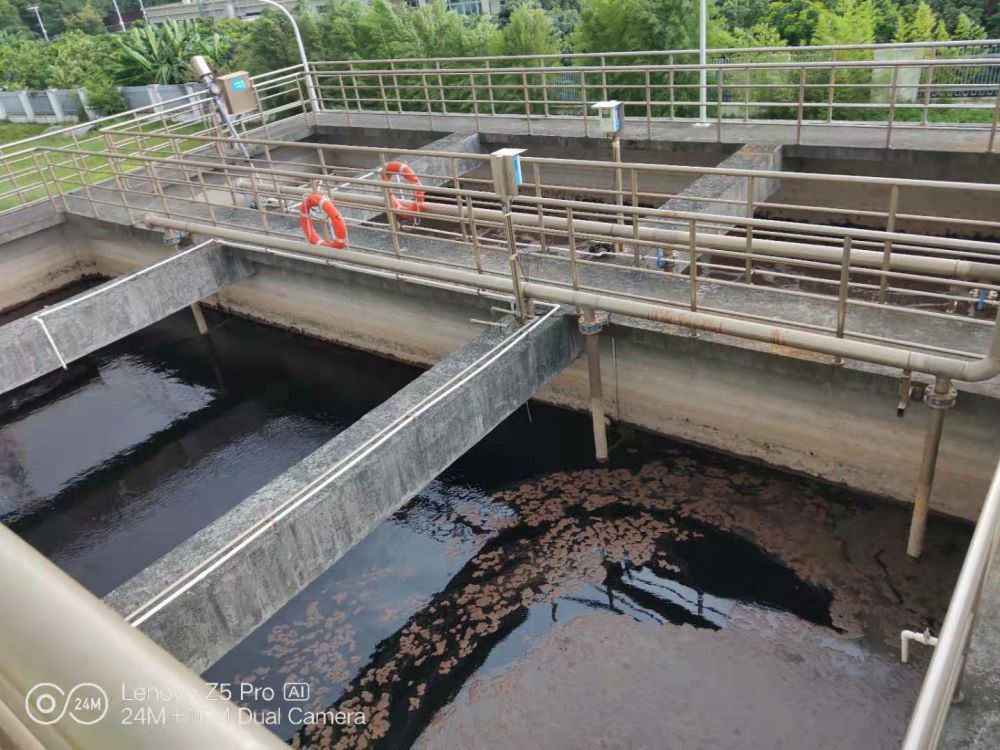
(892, 106)
(801, 106)
(890, 226)
(843, 293)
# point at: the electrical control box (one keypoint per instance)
(238, 93)
(610, 115)
(506, 166)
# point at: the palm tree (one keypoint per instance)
(162, 54)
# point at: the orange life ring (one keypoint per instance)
(394, 168)
(305, 221)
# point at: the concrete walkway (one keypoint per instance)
(867, 135)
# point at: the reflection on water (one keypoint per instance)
(497, 567)
(106, 468)
(527, 598)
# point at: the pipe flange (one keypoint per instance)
(936, 400)
(593, 327)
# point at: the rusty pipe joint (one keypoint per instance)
(595, 326)
(936, 400)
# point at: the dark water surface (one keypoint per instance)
(528, 598)
(152, 438)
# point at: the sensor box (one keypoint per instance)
(610, 116)
(238, 93)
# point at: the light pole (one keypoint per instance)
(118, 13)
(310, 88)
(38, 15)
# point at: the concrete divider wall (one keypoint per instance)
(50, 338)
(460, 400)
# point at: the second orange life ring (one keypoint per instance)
(305, 221)
(395, 168)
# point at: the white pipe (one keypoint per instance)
(906, 636)
(310, 88)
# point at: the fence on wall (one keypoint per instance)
(70, 105)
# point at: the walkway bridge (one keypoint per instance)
(867, 290)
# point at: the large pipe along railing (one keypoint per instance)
(915, 259)
(982, 369)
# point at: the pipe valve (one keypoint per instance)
(936, 400)
(595, 326)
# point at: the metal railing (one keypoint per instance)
(795, 88)
(892, 95)
(24, 180)
(948, 662)
(704, 271)
(733, 55)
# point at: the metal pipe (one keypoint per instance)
(590, 329)
(41, 25)
(59, 642)
(939, 399)
(943, 267)
(307, 73)
(982, 369)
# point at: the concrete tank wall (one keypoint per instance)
(836, 423)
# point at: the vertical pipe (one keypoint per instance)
(939, 399)
(592, 347)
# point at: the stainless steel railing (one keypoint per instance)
(888, 94)
(23, 180)
(948, 662)
(572, 235)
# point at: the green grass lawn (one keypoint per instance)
(27, 175)
(15, 131)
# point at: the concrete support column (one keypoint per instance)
(939, 398)
(199, 318)
(29, 111)
(57, 110)
(590, 327)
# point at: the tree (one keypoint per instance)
(382, 32)
(795, 20)
(618, 26)
(965, 28)
(338, 29)
(847, 22)
(77, 57)
(162, 54)
(10, 20)
(24, 64)
(920, 24)
(528, 32)
(87, 20)
(443, 33)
